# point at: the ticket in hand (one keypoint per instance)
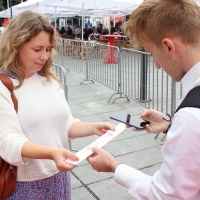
(100, 142)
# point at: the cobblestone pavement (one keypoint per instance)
(89, 102)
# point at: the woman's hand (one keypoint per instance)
(60, 156)
(82, 129)
(158, 121)
(101, 160)
(99, 128)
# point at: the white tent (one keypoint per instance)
(37, 6)
(76, 7)
(64, 8)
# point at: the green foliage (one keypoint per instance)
(3, 6)
(3, 3)
(15, 2)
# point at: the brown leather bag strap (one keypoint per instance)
(9, 85)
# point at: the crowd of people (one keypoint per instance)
(76, 31)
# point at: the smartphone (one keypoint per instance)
(129, 120)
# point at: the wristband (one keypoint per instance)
(168, 120)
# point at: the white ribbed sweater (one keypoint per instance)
(43, 117)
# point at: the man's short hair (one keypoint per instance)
(157, 19)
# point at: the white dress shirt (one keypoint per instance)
(179, 175)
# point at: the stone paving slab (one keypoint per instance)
(133, 144)
(89, 103)
(139, 160)
(105, 189)
(82, 100)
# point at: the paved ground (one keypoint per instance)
(89, 102)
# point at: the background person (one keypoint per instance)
(36, 138)
(77, 31)
(89, 30)
(85, 34)
(170, 31)
(99, 29)
(105, 31)
(112, 30)
(88, 23)
(118, 24)
(69, 31)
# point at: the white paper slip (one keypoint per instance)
(100, 142)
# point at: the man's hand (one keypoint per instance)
(101, 160)
(158, 121)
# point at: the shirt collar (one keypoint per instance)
(191, 77)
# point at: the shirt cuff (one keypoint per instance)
(134, 180)
(121, 174)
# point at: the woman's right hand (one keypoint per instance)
(158, 121)
(60, 156)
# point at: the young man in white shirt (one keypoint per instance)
(170, 31)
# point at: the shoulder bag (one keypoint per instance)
(8, 173)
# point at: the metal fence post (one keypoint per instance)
(143, 76)
(173, 98)
(87, 46)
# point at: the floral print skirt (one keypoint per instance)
(56, 187)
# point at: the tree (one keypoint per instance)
(3, 6)
(13, 2)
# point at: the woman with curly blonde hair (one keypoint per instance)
(36, 138)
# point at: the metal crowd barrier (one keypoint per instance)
(61, 73)
(142, 82)
(91, 59)
(131, 73)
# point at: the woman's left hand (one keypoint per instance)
(99, 128)
(82, 129)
